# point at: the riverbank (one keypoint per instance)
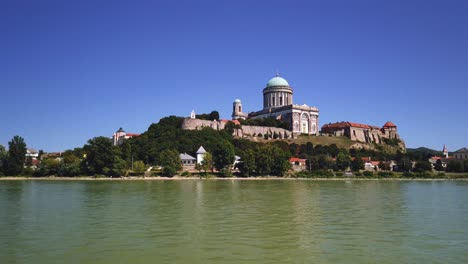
(178, 178)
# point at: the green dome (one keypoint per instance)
(277, 81)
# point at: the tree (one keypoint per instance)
(404, 164)
(357, 164)
(280, 163)
(263, 161)
(223, 155)
(139, 167)
(422, 166)
(3, 156)
(169, 159)
(455, 166)
(247, 164)
(16, 156)
(438, 166)
(343, 161)
(384, 166)
(100, 157)
(207, 162)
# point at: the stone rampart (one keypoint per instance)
(244, 131)
(198, 124)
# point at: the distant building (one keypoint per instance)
(52, 155)
(200, 154)
(362, 132)
(461, 154)
(444, 160)
(298, 164)
(32, 153)
(278, 103)
(187, 160)
(120, 136)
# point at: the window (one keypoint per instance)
(281, 101)
(240, 109)
(273, 101)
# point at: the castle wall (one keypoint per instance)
(245, 131)
(198, 124)
(251, 131)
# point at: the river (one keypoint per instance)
(223, 221)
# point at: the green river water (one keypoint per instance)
(224, 221)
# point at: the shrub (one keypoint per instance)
(225, 172)
(408, 174)
(368, 173)
(169, 171)
(385, 174)
(339, 174)
(357, 174)
(185, 174)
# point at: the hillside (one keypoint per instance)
(340, 142)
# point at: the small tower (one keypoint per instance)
(390, 130)
(192, 114)
(117, 135)
(445, 152)
(237, 110)
(200, 154)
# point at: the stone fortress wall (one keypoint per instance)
(244, 131)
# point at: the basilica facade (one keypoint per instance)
(278, 103)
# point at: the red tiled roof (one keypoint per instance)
(349, 124)
(389, 124)
(236, 122)
(297, 160)
(132, 135)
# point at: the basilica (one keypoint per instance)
(278, 103)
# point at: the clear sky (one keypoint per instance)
(73, 70)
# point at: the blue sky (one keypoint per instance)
(73, 70)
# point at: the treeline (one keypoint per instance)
(161, 144)
(265, 122)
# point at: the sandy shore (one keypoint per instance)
(177, 178)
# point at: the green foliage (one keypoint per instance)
(422, 166)
(455, 166)
(16, 156)
(386, 174)
(3, 156)
(391, 141)
(223, 155)
(247, 165)
(214, 115)
(207, 163)
(169, 159)
(47, 167)
(343, 161)
(169, 171)
(272, 160)
(357, 164)
(139, 167)
(185, 174)
(404, 164)
(384, 166)
(265, 122)
(438, 166)
(225, 172)
(102, 158)
(367, 173)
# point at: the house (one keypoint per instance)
(298, 164)
(461, 154)
(444, 160)
(120, 136)
(32, 153)
(187, 160)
